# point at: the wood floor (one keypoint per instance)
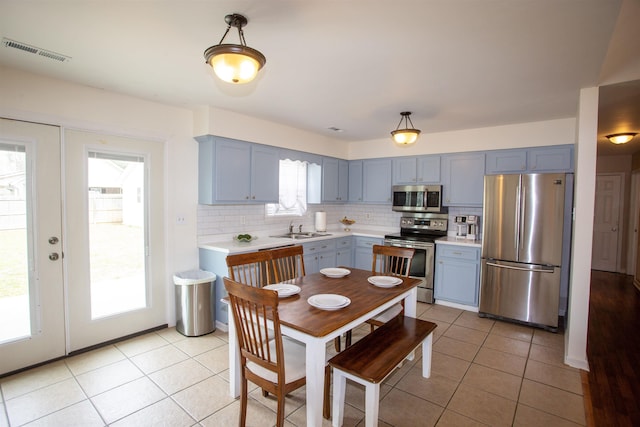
(613, 350)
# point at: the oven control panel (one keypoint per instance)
(433, 222)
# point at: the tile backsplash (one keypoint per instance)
(231, 219)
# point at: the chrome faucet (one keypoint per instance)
(291, 227)
(300, 228)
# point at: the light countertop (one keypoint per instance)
(452, 240)
(226, 244)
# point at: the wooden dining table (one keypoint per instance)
(316, 327)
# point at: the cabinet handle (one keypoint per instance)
(253, 197)
(246, 197)
(457, 253)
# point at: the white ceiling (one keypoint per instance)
(349, 64)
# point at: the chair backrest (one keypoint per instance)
(252, 307)
(392, 260)
(287, 263)
(251, 268)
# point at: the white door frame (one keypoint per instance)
(634, 223)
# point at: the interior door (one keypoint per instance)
(606, 222)
(115, 244)
(32, 321)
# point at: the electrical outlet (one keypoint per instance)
(243, 220)
(368, 215)
(181, 220)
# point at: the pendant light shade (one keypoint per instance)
(621, 138)
(407, 135)
(235, 63)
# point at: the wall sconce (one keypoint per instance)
(406, 136)
(621, 138)
(235, 63)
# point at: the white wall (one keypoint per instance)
(44, 100)
(534, 134)
(584, 200)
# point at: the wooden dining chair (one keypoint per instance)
(287, 263)
(252, 268)
(390, 261)
(276, 365)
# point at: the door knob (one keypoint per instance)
(614, 229)
(53, 240)
(53, 256)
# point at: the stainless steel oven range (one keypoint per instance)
(419, 231)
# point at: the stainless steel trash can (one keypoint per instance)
(195, 313)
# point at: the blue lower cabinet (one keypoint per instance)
(457, 274)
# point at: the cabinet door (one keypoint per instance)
(330, 176)
(343, 180)
(326, 260)
(376, 181)
(343, 257)
(404, 170)
(355, 181)
(363, 253)
(551, 159)
(428, 169)
(206, 165)
(265, 173)
(311, 263)
(232, 171)
(506, 161)
(463, 179)
(457, 281)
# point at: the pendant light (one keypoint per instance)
(408, 135)
(621, 138)
(235, 63)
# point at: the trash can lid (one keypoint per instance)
(193, 277)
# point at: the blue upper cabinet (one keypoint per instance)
(231, 171)
(551, 159)
(355, 181)
(376, 181)
(530, 160)
(335, 180)
(416, 170)
(463, 179)
(506, 161)
(370, 181)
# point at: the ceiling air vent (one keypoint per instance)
(35, 50)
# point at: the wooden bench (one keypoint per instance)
(373, 358)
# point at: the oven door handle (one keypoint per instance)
(410, 245)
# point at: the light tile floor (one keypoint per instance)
(484, 373)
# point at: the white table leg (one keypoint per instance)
(234, 360)
(410, 303)
(427, 346)
(316, 358)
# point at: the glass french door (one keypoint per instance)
(115, 253)
(88, 270)
(32, 321)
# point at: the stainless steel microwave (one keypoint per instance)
(417, 198)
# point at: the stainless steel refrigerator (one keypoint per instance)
(524, 227)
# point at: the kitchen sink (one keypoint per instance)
(301, 235)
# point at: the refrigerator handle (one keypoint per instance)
(523, 214)
(516, 222)
(531, 270)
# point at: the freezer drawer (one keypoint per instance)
(523, 292)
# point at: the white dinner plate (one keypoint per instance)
(284, 290)
(329, 301)
(384, 281)
(335, 272)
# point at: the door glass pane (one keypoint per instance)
(14, 257)
(116, 203)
